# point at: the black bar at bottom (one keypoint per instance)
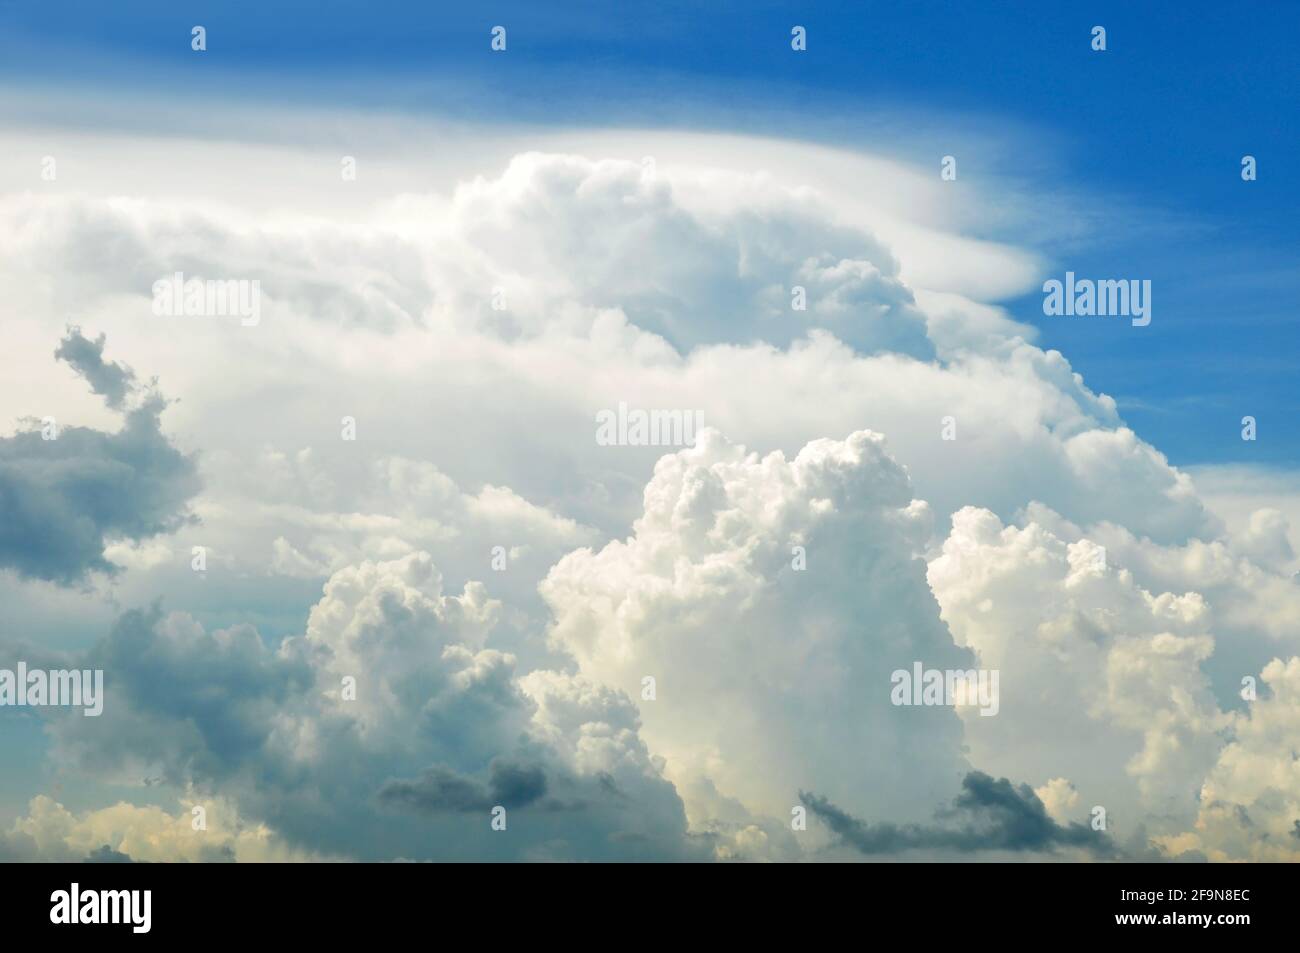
(944, 902)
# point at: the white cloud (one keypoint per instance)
(770, 679)
(1060, 798)
(50, 833)
(1250, 803)
(1097, 674)
(664, 287)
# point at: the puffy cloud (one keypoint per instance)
(1101, 460)
(614, 234)
(64, 500)
(1250, 802)
(1251, 597)
(122, 833)
(1059, 798)
(1237, 493)
(1266, 539)
(664, 287)
(1099, 673)
(372, 733)
(1096, 672)
(768, 676)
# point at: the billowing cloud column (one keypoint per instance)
(770, 600)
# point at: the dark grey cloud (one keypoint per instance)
(63, 500)
(107, 855)
(437, 789)
(988, 814)
(222, 713)
(192, 704)
(516, 783)
(510, 784)
(114, 382)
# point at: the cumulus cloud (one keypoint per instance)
(439, 726)
(1251, 598)
(1096, 672)
(66, 493)
(757, 660)
(1059, 797)
(126, 833)
(730, 276)
(1250, 801)
(664, 286)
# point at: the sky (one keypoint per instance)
(920, 466)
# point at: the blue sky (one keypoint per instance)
(1152, 132)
